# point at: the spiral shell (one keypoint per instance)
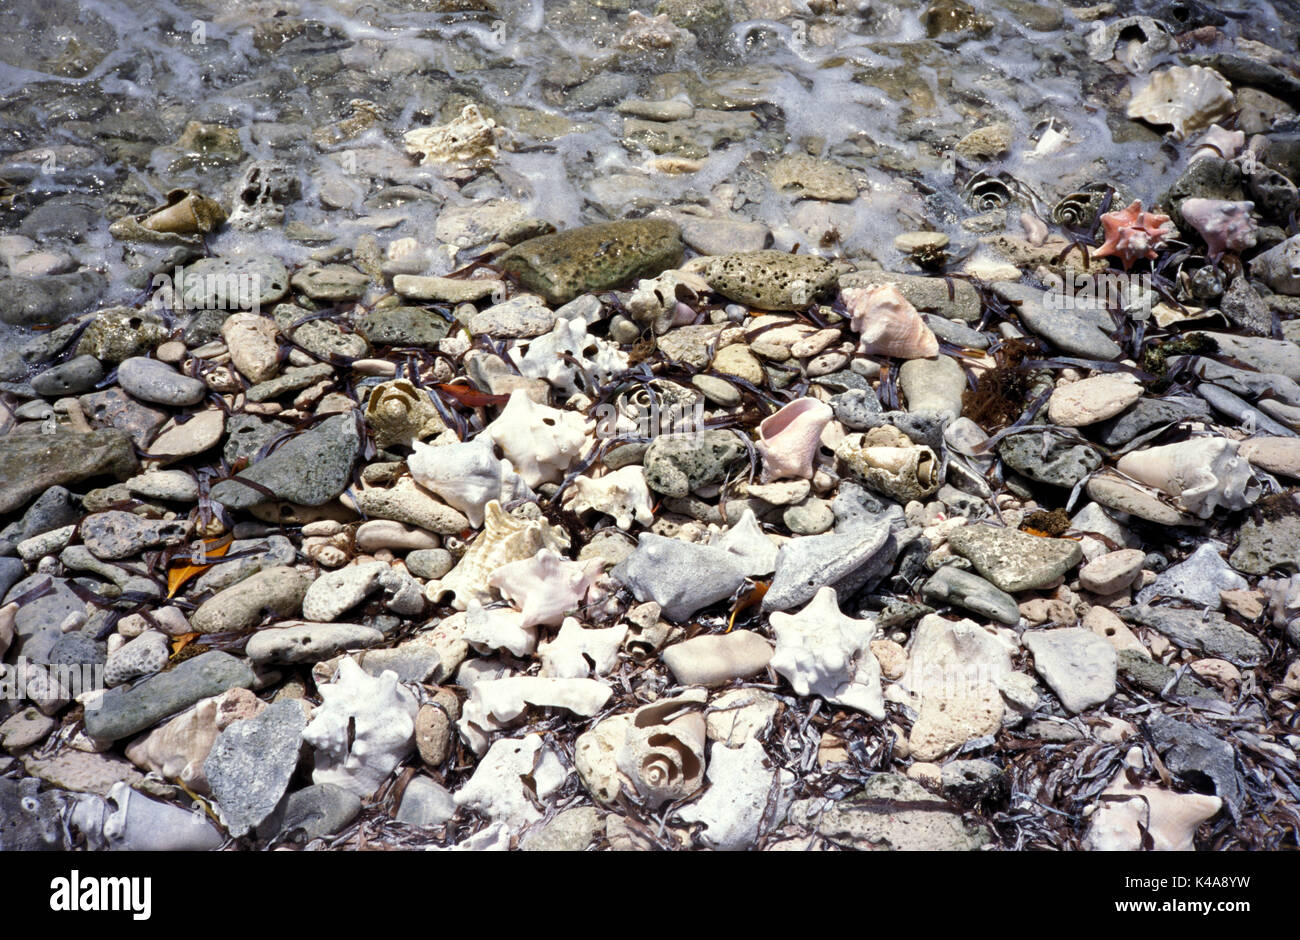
(984, 193)
(1080, 209)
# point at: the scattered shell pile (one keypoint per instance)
(599, 540)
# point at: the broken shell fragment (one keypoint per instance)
(1185, 98)
(399, 413)
(890, 463)
(1203, 474)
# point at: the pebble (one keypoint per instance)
(179, 440)
(295, 642)
(278, 590)
(1113, 572)
(1079, 666)
(310, 469)
(1015, 561)
(79, 374)
(154, 381)
(952, 585)
(1092, 400)
(114, 535)
(933, 385)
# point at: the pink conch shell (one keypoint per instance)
(788, 440)
(1132, 234)
(1225, 225)
(545, 587)
(888, 324)
(1219, 142)
(1202, 474)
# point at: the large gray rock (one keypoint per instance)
(1271, 543)
(426, 802)
(1079, 665)
(844, 560)
(124, 711)
(894, 813)
(1075, 332)
(321, 809)
(116, 534)
(1059, 463)
(1198, 580)
(308, 642)
(1204, 631)
(278, 591)
(310, 470)
(675, 464)
(682, 577)
(251, 763)
(50, 299)
(32, 463)
(1195, 756)
(1151, 413)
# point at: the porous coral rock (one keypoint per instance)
(399, 413)
(511, 779)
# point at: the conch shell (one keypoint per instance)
(1132, 234)
(545, 587)
(1186, 98)
(590, 358)
(541, 442)
(505, 538)
(788, 440)
(399, 413)
(890, 463)
(657, 752)
(1279, 267)
(822, 652)
(1224, 224)
(888, 323)
(466, 475)
(622, 494)
(1202, 474)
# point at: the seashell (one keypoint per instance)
(1080, 209)
(622, 494)
(1202, 474)
(541, 442)
(1132, 234)
(788, 440)
(576, 653)
(1218, 142)
(1170, 819)
(656, 407)
(467, 476)
(888, 324)
(823, 652)
(984, 193)
(498, 628)
(890, 463)
(1279, 267)
(1224, 224)
(547, 586)
(399, 413)
(656, 752)
(177, 750)
(364, 728)
(594, 360)
(494, 703)
(505, 538)
(1133, 41)
(514, 776)
(1185, 98)
(663, 752)
(655, 300)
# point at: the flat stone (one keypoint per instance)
(1075, 332)
(570, 831)
(49, 300)
(682, 577)
(932, 385)
(308, 642)
(425, 802)
(1198, 580)
(1272, 543)
(1280, 455)
(1267, 355)
(310, 469)
(1089, 401)
(1150, 413)
(1078, 665)
(1122, 496)
(1012, 560)
(113, 535)
(448, 290)
(409, 503)
(313, 812)
(521, 317)
(177, 441)
(1112, 572)
(1208, 632)
(713, 659)
(278, 591)
(1061, 463)
(291, 380)
(79, 374)
(403, 326)
(844, 560)
(235, 282)
(32, 463)
(893, 813)
(251, 763)
(953, 585)
(154, 381)
(772, 280)
(331, 283)
(114, 408)
(125, 710)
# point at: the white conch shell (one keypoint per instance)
(888, 323)
(622, 494)
(541, 442)
(176, 751)
(594, 359)
(1133, 41)
(823, 652)
(1202, 474)
(576, 653)
(1279, 267)
(364, 728)
(753, 548)
(663, 753)
(467, 476)
(547, 586)
(788, 440)
(505, 538)
(1170, 818)
(1186, 98)
(488, 629)
(655, 300)
(1218, 142)
(514, 775)
(494, 703)
(890, 463)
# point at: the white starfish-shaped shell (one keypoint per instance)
(541, 442)
(622, 494)
(823, 652)
(547, 586)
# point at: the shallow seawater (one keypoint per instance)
(96, 94)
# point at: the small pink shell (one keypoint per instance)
(888, 324)
(788, 440)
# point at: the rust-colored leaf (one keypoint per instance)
(751, 598)
(185, 639)
(177, 575)
(471, 397)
